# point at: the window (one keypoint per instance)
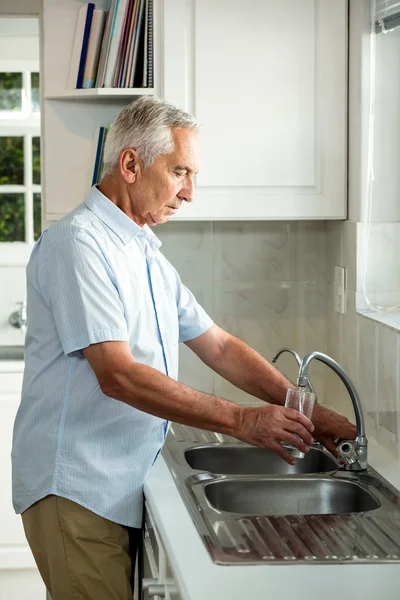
(20, 189)
(379, 234)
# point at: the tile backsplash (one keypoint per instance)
(263, 281)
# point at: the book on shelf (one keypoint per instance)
(105, 44)
(80, 46)
(116, 33)
(97, 162)
(113, 48)
(94, 45)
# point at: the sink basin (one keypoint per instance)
(251, 508)
(295, 496)
(249, 460)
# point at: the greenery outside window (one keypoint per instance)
(20, 185)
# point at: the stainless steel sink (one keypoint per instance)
(251, 508)
(241, 459)
(296, 496)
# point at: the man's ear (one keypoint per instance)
(129, 165)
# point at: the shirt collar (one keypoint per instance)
(118, 221)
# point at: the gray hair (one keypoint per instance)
(145, 125)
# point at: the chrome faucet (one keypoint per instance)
(19, 317)
(353, 453)
(297, 357)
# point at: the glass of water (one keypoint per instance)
(303, 402)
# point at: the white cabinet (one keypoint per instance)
(265, 78)
(19, 577)
(267, 81)
(158, 580)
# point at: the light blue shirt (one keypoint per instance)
(95, 276)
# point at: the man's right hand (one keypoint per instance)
(268, 426)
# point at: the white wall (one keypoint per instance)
(19, 38)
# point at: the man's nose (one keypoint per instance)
(188, 191)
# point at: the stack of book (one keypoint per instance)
(113, 48)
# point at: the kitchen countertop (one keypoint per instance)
(198, 578)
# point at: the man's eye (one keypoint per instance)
(180, 173)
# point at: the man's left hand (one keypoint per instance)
(330, 426)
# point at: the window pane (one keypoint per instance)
(36, 160)
(37, 215)
(35, 92)
(11, 91)
(12, 218)
(11, 160)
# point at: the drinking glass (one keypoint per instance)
(303, 402)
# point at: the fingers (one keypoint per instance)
(329, 445)
(280, 451)
(295, 441)
(297, 428)
(295, 415)
(349, 431)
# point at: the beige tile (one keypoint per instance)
(350, 253)
(311, 251)
(334, 247)
(254, 251)
(312, 311)
(263, 315)
(349, 354)
(334, 327)
(188, 246)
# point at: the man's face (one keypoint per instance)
(160, 189)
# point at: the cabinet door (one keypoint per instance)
(12, 534)
(19, 577)
(157, 576)
(267, 82)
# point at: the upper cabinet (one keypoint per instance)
(266, 79)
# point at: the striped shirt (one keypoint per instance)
(95, 276)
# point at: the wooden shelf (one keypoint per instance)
(89, 94)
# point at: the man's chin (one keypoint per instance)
(152, 221)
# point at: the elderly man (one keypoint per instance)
(106, 312)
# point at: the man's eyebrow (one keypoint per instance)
(185, 168)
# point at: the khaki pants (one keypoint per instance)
(80, 555)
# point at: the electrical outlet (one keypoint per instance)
(339, 290)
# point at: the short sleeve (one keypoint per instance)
(193, 319)
(79, 288)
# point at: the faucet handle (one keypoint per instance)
(348, 452)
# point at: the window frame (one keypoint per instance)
(26, 126)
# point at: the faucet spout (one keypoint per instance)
(298, 360)
(354, 454)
